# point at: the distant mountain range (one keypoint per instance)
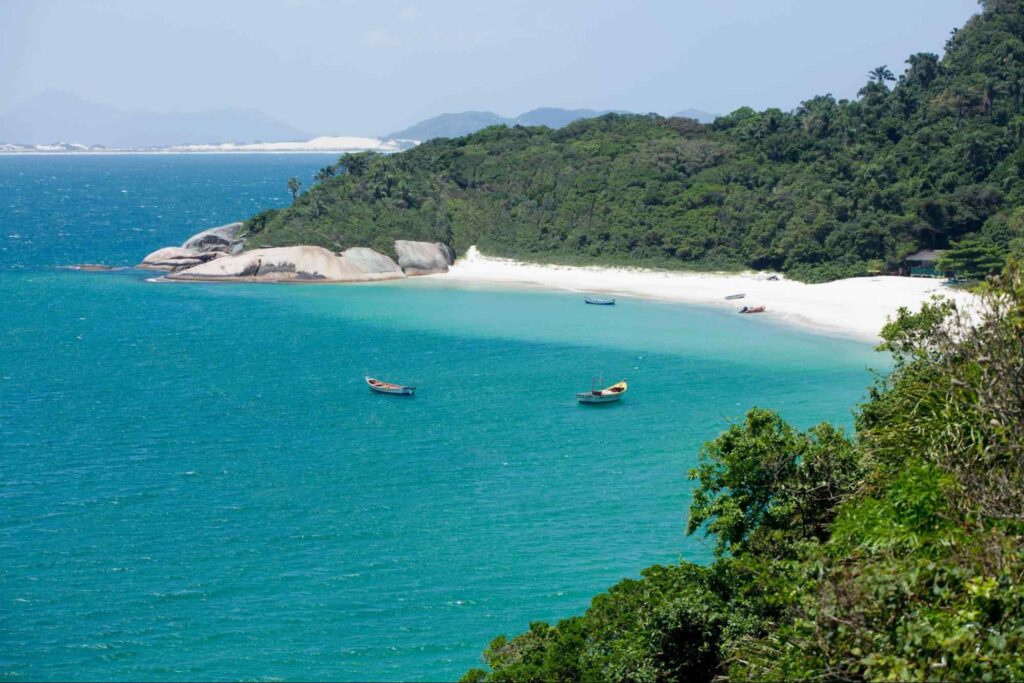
(463, 123)
(449, 125)
(454, 125)
(54, 116)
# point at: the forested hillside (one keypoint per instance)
(834, 188)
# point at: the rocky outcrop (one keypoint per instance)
(199, 248)
(223, 238)
(423, 258)
(216, 254)
(176, 258)
(370, 260)
(296, 264)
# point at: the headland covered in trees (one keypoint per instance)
(931, 159)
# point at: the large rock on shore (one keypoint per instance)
(177, 258)
(199, 248)
(423, 258)
(223, 238)
(296, 264)
(370, 260)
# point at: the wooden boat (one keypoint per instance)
(731, 297)
(606, 395)
(752, 309)
(389, 388)
(599, 302)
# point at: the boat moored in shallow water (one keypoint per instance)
(389, 388)
(598, 301)
(606, 395)
(752, 309)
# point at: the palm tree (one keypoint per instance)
(293, 187)
(881, 74)
(356, 164)
(324, 173)
(924, 67)
(953, 35)
(817, 115)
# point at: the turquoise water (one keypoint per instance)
(195, 483)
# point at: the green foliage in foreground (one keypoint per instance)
(833, 189)
(894, 555)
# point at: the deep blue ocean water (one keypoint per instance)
(196, 484)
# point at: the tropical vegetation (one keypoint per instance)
(834, 188)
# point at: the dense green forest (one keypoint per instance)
(897, 554)
(835, 188)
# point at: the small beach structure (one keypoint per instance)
(606, 395)
(733, 297)
(389, 388)
(922, 263)
(597, 301)
(752, 309)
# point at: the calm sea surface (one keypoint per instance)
(196, 484)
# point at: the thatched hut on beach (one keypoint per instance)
(922, 263)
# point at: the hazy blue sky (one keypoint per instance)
(333, 67)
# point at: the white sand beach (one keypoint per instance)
(855, 308)
(325, 144)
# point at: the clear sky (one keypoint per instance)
(371, 67)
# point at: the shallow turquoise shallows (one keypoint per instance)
(195, 482)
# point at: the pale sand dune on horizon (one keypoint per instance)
(855, 308)
(324, 143)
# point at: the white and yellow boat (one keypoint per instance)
(389, 388)
(606, 395)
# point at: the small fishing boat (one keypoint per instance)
(599, 302)
(732, 297)
(752, 309)
(389, 388)
(607, 395)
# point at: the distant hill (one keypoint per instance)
(556, 118)
(449, 125)
(54, 116)
(702, 116)
(464, 123)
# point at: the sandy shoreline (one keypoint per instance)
(854, 308)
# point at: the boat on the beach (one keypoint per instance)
(734, 296)
(606, 395)
(389, 388)
(752, 309)
(596, 301)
